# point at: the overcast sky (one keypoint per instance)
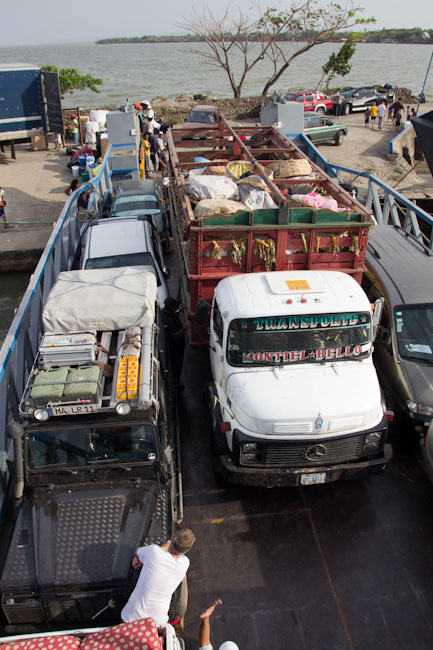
(30, 22)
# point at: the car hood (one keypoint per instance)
(310, 399)
(81, 537)
(420, 380)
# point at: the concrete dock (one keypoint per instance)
(34, 185)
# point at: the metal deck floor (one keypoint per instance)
(343, 566)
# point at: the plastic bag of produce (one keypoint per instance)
(214, 207)
(258, 200)
(211, 187)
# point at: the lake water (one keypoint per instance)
(138, 71)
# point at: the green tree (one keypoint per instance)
(339, 63)
(70, 79)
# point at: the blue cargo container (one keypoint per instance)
(26, 100)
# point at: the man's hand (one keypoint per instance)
(136, 562)
(210, 608)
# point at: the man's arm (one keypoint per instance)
(204, 628)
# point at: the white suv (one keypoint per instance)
(125, 241)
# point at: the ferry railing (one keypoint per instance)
(22, 340)
(386, 204)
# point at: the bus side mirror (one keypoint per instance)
(377, 308)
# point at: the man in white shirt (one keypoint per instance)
(163, 569)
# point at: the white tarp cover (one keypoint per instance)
(101, 299)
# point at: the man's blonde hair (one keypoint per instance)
(182, 541)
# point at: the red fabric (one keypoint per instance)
(45, 643)
(138, 635)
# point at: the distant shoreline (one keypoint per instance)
(415, 36)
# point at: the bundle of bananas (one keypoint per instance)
(266, 251)
(238, 249)
(216, 250)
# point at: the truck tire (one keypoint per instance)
(320, 110)
(218, 440)
(338, 138)
(345, 109)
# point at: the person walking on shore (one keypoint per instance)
(381, 109)
(74, 128)
(366, 116)
(2, 207)
(373, 114)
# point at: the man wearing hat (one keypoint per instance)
(204, 641)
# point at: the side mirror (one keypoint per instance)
(377, 315)
(202, 312)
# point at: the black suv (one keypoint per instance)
(357, 99)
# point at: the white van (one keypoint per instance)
(125, 241)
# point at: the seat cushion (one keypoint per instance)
(44, 643)
(138, 635)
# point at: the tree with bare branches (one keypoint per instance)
(276, 36)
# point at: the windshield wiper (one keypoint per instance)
(415, 358)
(104, 461)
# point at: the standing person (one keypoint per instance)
(397, 106)
(2, 207)
(390, 113)
(397, 119)
(338, 102)
(366, 116)
(204, 640)
(373, 114)
(381, 110)
(162, 154)
(74, 128)
(162, 570)
(153, 141)
(412, 113)
(176, 336)
(146, 151)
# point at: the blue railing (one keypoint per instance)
(387, 204)
(22, 340)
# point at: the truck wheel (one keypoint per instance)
(338, 138)
(320, 110)
(345, 109)
(218, 441)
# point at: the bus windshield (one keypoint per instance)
(283, 340)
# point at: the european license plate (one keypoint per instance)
(313, 479)
(75, 409)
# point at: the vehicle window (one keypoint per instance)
(307, 122)
(300, 98)
(309, 98)
(201, 116)
(414, 330)
(359, 93)
(283, 340)
(289, 97)
(316, 121)
(218, 323)
(114, 261)
(90, 446)
(369, 92)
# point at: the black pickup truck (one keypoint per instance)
(357, 99)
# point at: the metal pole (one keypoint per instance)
(425, 81)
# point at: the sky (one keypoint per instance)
(37, 22)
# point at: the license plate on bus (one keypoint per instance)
(313, 479)
(74, 409)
